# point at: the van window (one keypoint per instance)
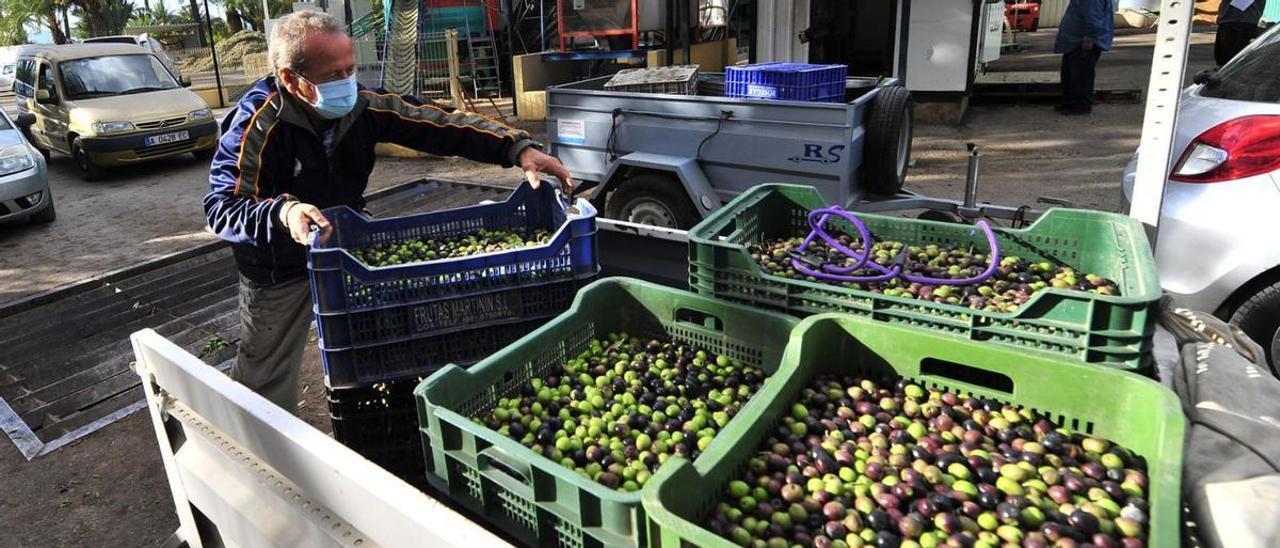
(26, 78)
(114, 75)
(112, 40)
(46, 79)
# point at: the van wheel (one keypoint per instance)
(887, 150)
(89, 171)
(652, 199)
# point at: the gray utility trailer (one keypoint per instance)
(669, 160)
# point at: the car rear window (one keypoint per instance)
(1252, 75)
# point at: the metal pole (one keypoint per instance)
(669, 31)
(971, 178)
(266, 14)
(217, 73)
(686, 31)
(1168, 63)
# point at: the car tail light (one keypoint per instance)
(1232, 150)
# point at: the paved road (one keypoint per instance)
(140, 213)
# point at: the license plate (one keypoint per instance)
(166, 138)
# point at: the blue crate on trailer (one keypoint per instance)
(787, 82)
(386, 323)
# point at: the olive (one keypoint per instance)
(1083, 521)
(878, 520)
(887, 539)
(989, 501)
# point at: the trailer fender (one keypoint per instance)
(685, 169)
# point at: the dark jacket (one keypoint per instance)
(1229, 15)
(1093, 19)
(269, 149)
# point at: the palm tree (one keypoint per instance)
(19, 13)
(102, 17)
(14, 17)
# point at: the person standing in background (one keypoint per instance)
(1237, 26)
(1085, 32)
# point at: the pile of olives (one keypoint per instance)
(856, 463)
(621, 408)
(1013, 283)
(431, 249)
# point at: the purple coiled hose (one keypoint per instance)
(817, 223)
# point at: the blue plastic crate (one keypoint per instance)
(787, 82)
(464, 343)
(384, 323)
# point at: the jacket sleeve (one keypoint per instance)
(429, 128)
(1096, 13)
(236, 208)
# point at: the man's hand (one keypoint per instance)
(298, 218)
(1087, 43)
(534, 161)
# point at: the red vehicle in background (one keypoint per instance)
(1022, 16)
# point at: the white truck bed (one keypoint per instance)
(244, 472)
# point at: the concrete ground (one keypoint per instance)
(109, 488)
(1029, 151)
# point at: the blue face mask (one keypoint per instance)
(335, 99)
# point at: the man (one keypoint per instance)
(1084, 33)
(302, 141)
(1237, 26)
(829, 31)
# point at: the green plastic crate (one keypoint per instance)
(533, 498)
(1128, 409)
(1110, 330)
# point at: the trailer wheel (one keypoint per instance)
(652, 199)
(888, 146)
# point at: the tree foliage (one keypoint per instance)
(16, 16)
(101, 17)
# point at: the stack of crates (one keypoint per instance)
(1069, 356)
(787, 82)
(678, 80)
(383, 329)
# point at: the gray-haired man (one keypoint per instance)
(302, 141)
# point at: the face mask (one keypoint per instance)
(335, 99)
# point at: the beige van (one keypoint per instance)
(109, 105)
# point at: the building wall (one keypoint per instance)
(778, 26)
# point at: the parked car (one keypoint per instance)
(6, 76)
(8, 63)
(24, 179)
(145, 41)
(109, 105)
(1217, 249)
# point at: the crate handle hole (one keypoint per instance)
(967, 374)
(699, 318)
(729, 228)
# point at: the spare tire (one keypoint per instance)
(887, 150)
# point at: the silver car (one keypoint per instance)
(1219, 243)
(24, 179)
